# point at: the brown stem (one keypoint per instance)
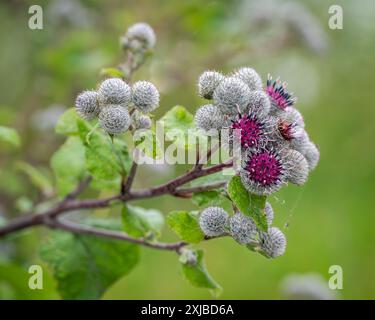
(49, 217)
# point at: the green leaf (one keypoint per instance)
(10, 135)
(177, 122)
(104, 160)
(206, 198)
(111, 72)
(185, 225)
(147, 142)
(257, 207)
(140, 222)
(197, 274)
(68, 165)
(67, 123)
(85, 266)
(37, 178)
(250, 205)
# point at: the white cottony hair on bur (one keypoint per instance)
(145, 96)
(213, 221)
(242, 228)
(231, 94)
(139, 32)
(87, 105)
(250, 77)
(209, 117)
(299, 168)
(311, 153)
(114, 119)
(291, 114)
(259, 104)
(208, 82)
(114, 91)
(272, 242)
(268, 211)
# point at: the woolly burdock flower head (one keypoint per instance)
(242, 228)
(114, 119)
(213, 221)
(208, 82)
(143, 122)
(263, 170)
(280, 98)
(292, 115)
(251, 129)
(231, 96)
(273, 242)
(87, 104)
(299, 168)
(145, 96)
(209, 117)
(268, 211)
(139, 36)
(250, 77)
(311, 153)
(259, 103)
(114, 91)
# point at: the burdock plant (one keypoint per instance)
(96, 166)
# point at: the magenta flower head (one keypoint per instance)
(280, 98)
(264, 170)
(252, 130)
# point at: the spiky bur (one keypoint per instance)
(268, 211)
(232, 95)
(208, 82)
(143, 122)
(209, 117)
(311, 153)
(264, 170)
(114, 119)
(87, 105)
(258, 103)
(139, 36)
(213, 221)
(251, 129)
(280, 97)
(145, 96)
(242, 228)
(272, 242)
(114, 91)
(292, 115)
(250, 77)
(299, 168)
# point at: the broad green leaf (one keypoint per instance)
(85, 266)
(177, 122)
(36, 177)
(250, 205)
(257, 207)
(147, 142)
(16, 280)
(68, 165)
(185, 225)
(140, 222)
(111, 72)
(206, 198)
(197, 274)
(67, 123)
(105, 160)
(10, 135)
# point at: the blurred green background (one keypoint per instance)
(327, 222)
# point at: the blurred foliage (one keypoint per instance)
(328, 221)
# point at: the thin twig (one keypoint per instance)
(88, 230)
